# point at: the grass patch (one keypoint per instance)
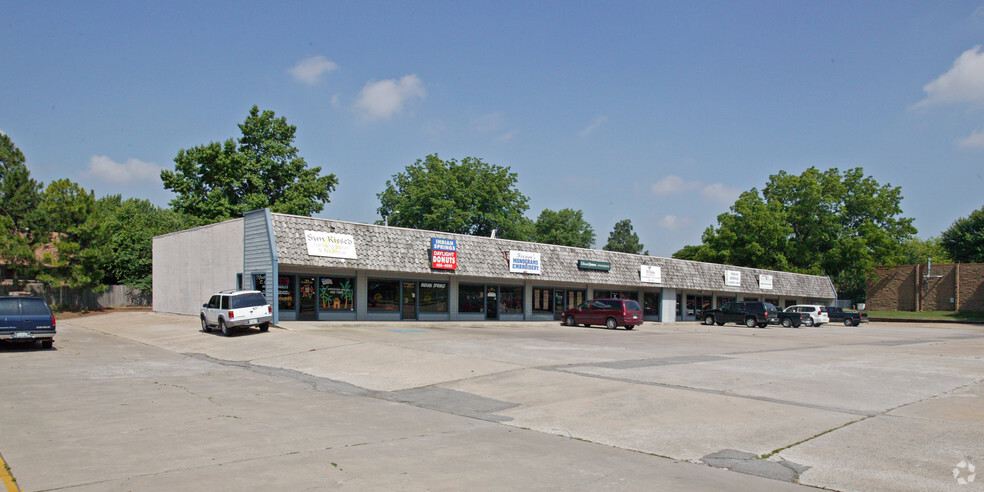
(932, 315)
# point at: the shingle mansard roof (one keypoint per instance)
(395, 249)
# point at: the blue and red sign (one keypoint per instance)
(444, 254)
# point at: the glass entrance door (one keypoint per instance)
(565, 299)
(309, 298)
(696, 304)
(409, 310)
(491, 302)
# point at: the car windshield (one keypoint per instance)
(247, 300)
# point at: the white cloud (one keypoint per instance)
(105, 169)
(964, 82)
(312, 70)
(381, 100)
(593, 126)
(505, 137)
(674, 184)
(720, 193)
(673, 222)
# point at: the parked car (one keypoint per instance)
(748, 313)
(609, 312)
(27, 319)
(849, 318)
(818, 313)
(792, 318)
(230, 309)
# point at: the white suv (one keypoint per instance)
(818, 313)
(230, 309)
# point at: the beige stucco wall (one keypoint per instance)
(191, 265)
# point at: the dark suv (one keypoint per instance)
(609, 312)
(748, 313)
(26, 319)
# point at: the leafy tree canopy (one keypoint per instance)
(215, 182)
(470, 197)
(819, 222)
(964, 240)
(76, 228)
(917, 251)
(566, 227)
(19, 197)
(624, 239)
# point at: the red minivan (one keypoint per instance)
(609, 312)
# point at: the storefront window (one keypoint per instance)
(615, 294)
(542, 300)
(510, 299)
(336, 294)
(285, 293)
(650, 303)
(724, 299)
(433, 297)
(471, 298)
(384, 295)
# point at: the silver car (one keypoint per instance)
(230, 309)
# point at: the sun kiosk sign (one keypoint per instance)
(444, 254)
(524, 262)
(330, 245)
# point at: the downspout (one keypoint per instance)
(832, 288)
(275, 281)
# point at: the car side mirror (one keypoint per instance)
(205, 305)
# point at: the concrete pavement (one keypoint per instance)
(492, 406)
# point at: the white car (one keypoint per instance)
(230, 309)
(818, 313)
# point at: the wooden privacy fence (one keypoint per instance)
(113, 297)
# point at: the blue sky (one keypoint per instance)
(658, 112)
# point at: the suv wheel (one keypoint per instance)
(709, 319)
(750, 322)
(611, 324)
(847, 322)
(205, 327)
(225, 328)
(809, 321)
(786, 323)
(47, 343)
(265, 327)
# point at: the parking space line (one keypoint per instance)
(6, 478)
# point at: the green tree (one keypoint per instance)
(215, 182)
(829, 223)
(566, 227)
(133, 226)
(964, 240)
(19, 197)
(470, 197)
(624, 239)
(76, 231)
(917, 251)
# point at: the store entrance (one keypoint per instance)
(696, 304)
(491, 302)
(409, 309)
(566, 299)
(308, 303)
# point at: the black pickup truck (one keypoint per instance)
(792, 318)
(849, 318)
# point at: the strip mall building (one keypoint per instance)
(321, 269)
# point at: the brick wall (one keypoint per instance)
(904, 288)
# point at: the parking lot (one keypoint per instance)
(144, 401)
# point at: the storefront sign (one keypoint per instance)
(444, 254)
(732, 278)
(765, 282)
(601, 266)
(524, 262)
(651, 274)
(329, 244)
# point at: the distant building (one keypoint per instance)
(321, 269)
